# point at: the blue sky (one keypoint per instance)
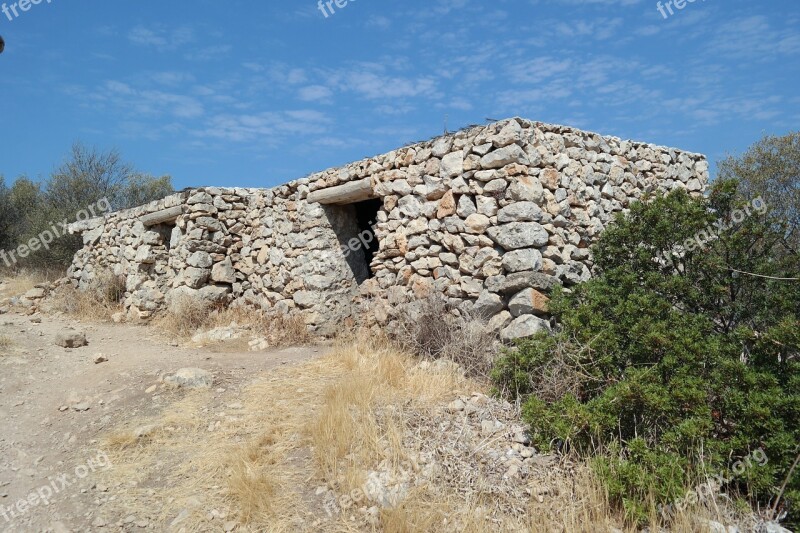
(246, 93)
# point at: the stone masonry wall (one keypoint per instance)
(491, 218)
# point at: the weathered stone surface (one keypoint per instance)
(195, 277)
(214, 293)
(190, 378)
(520, 212)
(522, 260)
(482, 217)
(510, 134)
(200, 260)
(529, 302)
(70, 338)
(519, 235)
(477, 223)
(526, 189)
(513, 283)
(466, 207)
(452, 164)
(504, 156)
(37, 293)
(447, 205)
(488, 304)
(306, 299)
(93, 236)
(523, 327)
(223, 272)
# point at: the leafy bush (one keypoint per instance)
(678, 359)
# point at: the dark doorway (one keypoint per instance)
(366, 218)
(164, 230)
(355, 227)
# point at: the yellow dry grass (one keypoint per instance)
(88, 305)
(5, 344)
(187, 316)
(326, 422)
(18, 283)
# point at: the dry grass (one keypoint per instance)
(83, 305)
(96, 303)
(278, 330)
(329, 423)
(261, 464)
(187, 316)
(5, 344)
(18, 283)
(432, 330)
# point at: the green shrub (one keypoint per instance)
(673, 363)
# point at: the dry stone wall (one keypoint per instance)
(490, 218)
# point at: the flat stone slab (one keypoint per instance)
(190, 378)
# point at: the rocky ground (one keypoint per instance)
(57, 404)
(118, 427)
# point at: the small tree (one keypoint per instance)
(85, 178)
(771, 169)
(143, 188)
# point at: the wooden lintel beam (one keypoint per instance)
(159, 217)
(348, 193)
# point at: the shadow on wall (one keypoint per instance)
(354, 225)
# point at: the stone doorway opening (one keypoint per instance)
(352, 209)
(164, 231)
(366, 219)
(354, 224)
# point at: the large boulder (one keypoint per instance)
(504, 156)
(523, 327)
(70, 338)
(522, 260)
(519, 235)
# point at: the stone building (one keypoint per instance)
(490, 218)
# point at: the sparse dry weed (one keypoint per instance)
(98, 302)
(432, 330)
(20, 282)
(330, 422)
(278, 330)
(5, 344)
(187, 315)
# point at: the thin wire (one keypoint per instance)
(760, 276)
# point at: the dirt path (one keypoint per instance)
(56, 403)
